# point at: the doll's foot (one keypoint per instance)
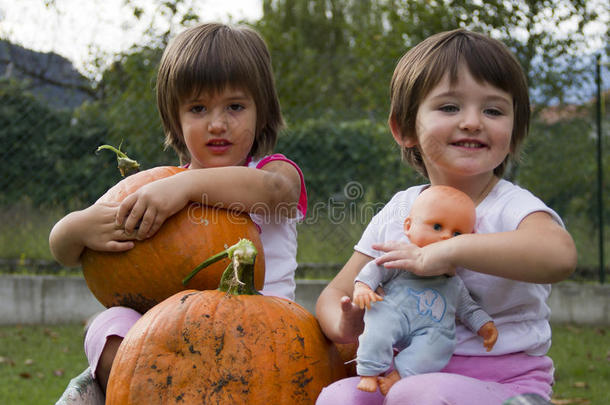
(368, 383)
(386, 382)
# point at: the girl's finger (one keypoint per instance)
(115, 246)
(124, 209)
(147, 223)
(134, 217)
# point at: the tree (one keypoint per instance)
(338, 55)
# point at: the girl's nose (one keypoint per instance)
(471, 121)
(218, 123)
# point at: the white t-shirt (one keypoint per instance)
(518, 309)
(279, 239)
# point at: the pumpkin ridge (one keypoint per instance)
(269, 324)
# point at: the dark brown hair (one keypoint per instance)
(425, 65)
(210, 58)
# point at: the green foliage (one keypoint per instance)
(128, 104)
(368, 158)
(48, 154)
(336, 58)
(566, 150)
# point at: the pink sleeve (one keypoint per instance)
(302, 205)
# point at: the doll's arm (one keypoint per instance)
(364, 295)
(341, 320)
(489, 333)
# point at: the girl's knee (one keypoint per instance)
(345, 392)
(421, 389)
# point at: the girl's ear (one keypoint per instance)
(399, 137)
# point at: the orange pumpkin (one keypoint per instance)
(228, 346)
(153, 270)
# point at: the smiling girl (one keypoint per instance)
(459, 112)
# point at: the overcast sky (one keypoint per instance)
(75, 29)
(81, 29)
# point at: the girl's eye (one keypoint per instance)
(449, 108)
(493, 111)
(197, 109)
(457, 233)
(236, 107)
(437, 227)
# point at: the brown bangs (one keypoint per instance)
(219, 63)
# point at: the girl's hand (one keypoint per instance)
(98, 230)
(142, 213)
(94, 228)
(430, 260)
(364, 295)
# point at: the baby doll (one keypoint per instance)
(416, 315)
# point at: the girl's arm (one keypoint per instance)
(538, 251)
(341, 320)
(94, 228)
(273, 190)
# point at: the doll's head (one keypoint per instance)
(424, 66)
(439, 213)
(209, 58)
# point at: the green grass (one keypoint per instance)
(37, 362)
(582, 364)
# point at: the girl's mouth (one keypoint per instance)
(218, 146)
(469, 144)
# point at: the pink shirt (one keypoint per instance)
(279, 239)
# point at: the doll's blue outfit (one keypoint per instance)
(417, 317)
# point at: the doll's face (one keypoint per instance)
(439, 213)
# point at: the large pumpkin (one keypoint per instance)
(228, 346)
(153, 270)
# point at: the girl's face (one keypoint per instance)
(219, 128)
(463, 129)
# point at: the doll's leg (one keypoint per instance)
(428, 352)
(103, 337)
(384, 326)
(345, 392)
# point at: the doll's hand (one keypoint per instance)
(430, 260)
(143, 212)
(351, 324)
(489, 333)
(364, 295)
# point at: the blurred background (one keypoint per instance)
(78, 74)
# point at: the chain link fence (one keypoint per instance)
(52, 121)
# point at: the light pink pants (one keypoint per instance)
(486, 380)
(115, 321)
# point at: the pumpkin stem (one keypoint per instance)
(238, 278)
(206, 263)
(126, 165)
